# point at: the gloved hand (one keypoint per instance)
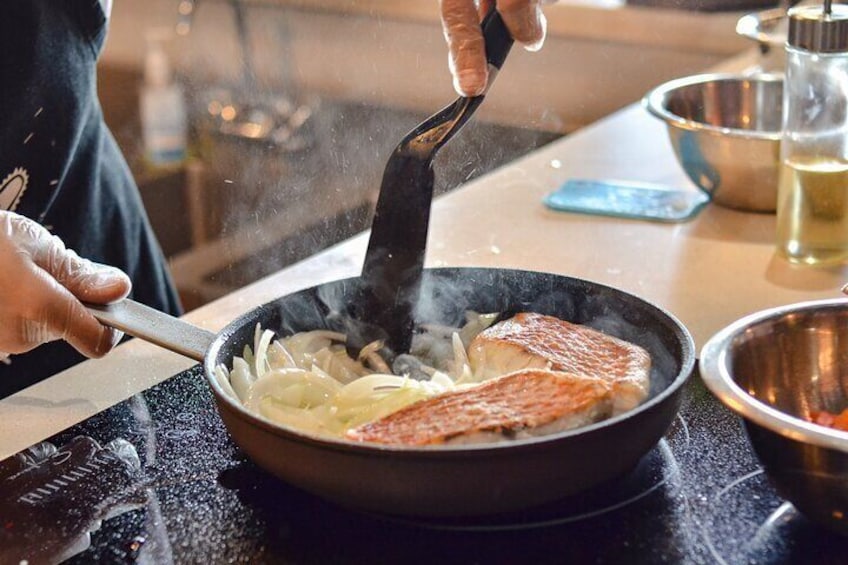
(461, 22)
(41, 286)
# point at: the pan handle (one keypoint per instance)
(151, 325)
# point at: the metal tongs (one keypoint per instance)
(391, 274)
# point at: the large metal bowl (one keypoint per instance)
(774, 368)
(725, 130)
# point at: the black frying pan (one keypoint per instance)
(394, 294)
(451, 480)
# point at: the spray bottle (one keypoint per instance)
(164, 125)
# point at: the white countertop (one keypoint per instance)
(708, 272)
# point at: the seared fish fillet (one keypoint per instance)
(530, 340)
(524, 403)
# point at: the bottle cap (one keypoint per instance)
(821, 29)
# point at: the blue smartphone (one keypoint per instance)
(626, 199)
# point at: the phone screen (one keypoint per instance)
(627, 200)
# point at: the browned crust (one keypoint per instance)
(567, 347)
(520, 400)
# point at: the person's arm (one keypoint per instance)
(461, 22)
(42, 285)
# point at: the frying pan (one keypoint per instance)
(394, 294)
(461, 480)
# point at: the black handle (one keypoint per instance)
(391, 274)
(497, 37)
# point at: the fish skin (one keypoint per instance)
(528, 402)
(530, 340)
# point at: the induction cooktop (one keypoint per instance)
(157, 479)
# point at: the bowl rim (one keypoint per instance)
(654, 100)
(714, 370)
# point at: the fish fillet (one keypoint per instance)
(530, 340)
(524, 403)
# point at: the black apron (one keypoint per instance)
(60, 165)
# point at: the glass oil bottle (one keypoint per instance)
(812, 207)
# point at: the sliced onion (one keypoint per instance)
(241, 378)
(279, 357)
(461, 364)
(309, 382)
(475, 323)
(222, 375)
(304, 344)
(293, 387)
(370, 354)
(262, 342)
(314, 421)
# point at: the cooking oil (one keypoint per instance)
(812, 217)
(812, 206)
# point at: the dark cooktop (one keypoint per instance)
(156, 479)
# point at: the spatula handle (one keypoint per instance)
(497, 37)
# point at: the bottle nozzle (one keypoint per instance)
(157, 67)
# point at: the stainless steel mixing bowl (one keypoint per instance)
(725, 130)
(774, 368)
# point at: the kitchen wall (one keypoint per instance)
(240, 211)
(599, 56)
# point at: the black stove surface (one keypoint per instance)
(157, 479)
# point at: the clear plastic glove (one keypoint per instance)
(461, 22)
(41, 286)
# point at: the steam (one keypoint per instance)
(447, 294)
(285, 202)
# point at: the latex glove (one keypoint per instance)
(461, 23)
(41, 286)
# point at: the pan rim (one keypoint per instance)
(455, 450)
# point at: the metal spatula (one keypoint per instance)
(394, 261)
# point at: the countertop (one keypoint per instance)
(708, 271)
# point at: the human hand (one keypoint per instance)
(42, 285)
(461, 23)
